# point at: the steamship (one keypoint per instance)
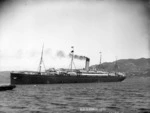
(54, 76)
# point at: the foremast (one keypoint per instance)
(41, 61)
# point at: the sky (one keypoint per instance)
(116, 28)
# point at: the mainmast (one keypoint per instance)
(72, 53)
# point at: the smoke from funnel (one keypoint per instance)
(78, 57)
(87, 60)
(60, 54)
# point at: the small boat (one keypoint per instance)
(6, 87)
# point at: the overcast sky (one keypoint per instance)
(116, 28)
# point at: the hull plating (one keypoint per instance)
(17, 78)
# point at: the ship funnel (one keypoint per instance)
(87, 62)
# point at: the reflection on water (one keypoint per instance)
(131, 95)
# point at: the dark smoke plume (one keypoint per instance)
(79, 57)
(60, 54)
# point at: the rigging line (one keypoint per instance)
(44, 65)
(74, 65)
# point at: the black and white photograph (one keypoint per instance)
(74, 56)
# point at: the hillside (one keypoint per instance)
(132, 67)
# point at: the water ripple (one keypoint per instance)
(131, 95)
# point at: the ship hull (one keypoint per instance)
(17, 78)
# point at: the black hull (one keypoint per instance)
(7, 87)
(17, 78)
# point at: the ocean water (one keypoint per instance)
(130, 96)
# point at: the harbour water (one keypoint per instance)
(130, 96)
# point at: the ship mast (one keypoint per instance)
(100, 58)
(41, 60)
(72, 53)
(116, 66)
(100, 62)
